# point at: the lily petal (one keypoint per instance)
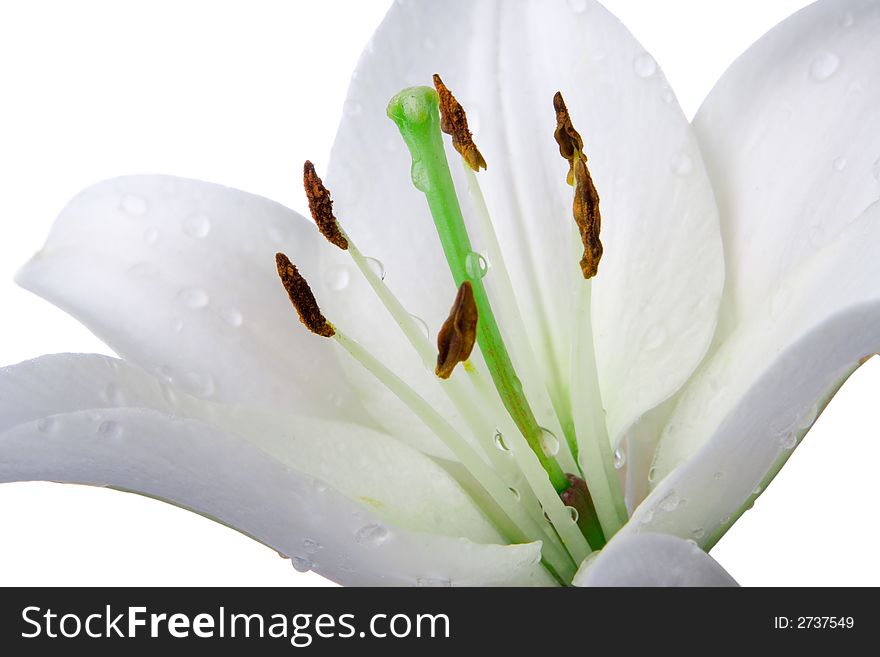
(652, 560)
(178, 276)
(750, 403)
(302, 489)
(790, 139)
(659, 285)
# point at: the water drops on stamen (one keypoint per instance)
(420, 178)
(573, 513)
(352, 107)
(337, 278)
(549, 442)
(375, 266)
(197, 226)
(231, 316)
(151, 235)
(371, 535)
(619, 458)
(839, 164)
(301, 564)
(682, 164)
(644, 65)
(823, 66)
(133, 205)
(110, 430)
(193, 297)
(475, 265)
(758, 490)
(498, 439)
(577, 6)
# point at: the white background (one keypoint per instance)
(241, 93)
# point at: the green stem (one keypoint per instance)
(416, 113)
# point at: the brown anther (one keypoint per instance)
(321, 207)
(587, 217)
(459, 332)
(453, 121)
(302, 298)
(571, 146)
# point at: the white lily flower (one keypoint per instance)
(735, 295)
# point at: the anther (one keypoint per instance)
(586, 199)
(321, 207)
(302, 298)
(459, 332)
(453, 121)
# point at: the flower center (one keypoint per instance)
(531, 486)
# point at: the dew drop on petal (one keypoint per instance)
(109, 429)
(573, 513)
(371, 535)
(475, 265)
(376, 266)
(133, 205)
(310, 545)
(644, 65)
(200, 385)
(619, 458)
(788, 440)
(301, 564)
(549, 442)
(499, 442)
(668, 96)
(231, 316)
(515, 493)
(151, 235)
(193, 297)
(847, 19)
(337, 278)
(652, 473)
(577, 6)
(197, 225)
(647, 516)
(824, 66)
(839, 164)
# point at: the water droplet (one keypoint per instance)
(549, 442)
(197, 226)
(193, 297)
(151, 236)
(310, 545)
(698, 533)
(352, 107)
(647, 516)
(654, 338)
(668, 96)
(726, 520)
(109, 429)
(499, 442)
(824, 66)
(475, 265)
(682, 164)
(652, 473)
(46, 424)
(515, 493)
(839, 164)
(718, 475)
(200, 385)
(337, 278)
(670, 503)
(376, 266)
(433, 582)
(788, 441)
(176, 325)
(301, 564)
(847, 19)
(619, 458)
(419, 174)
(577, 6)
(371, 535)
(573, 513)
(422, 324)
(133, 205)
(644, 65)
(231, 316)
(758, 490)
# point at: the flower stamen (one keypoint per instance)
(321, 207)
(456, 338)
(453, 121)
(302, 298)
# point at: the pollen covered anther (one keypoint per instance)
(321, 207)
(459, 332)
(302, 298)
(586, 199)
(453, 121)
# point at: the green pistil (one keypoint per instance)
(416, 113)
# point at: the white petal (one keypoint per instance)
(652, 560)
(656, 296)
(791, 141)
(748, 405)
(358, 494)
(178, 276)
